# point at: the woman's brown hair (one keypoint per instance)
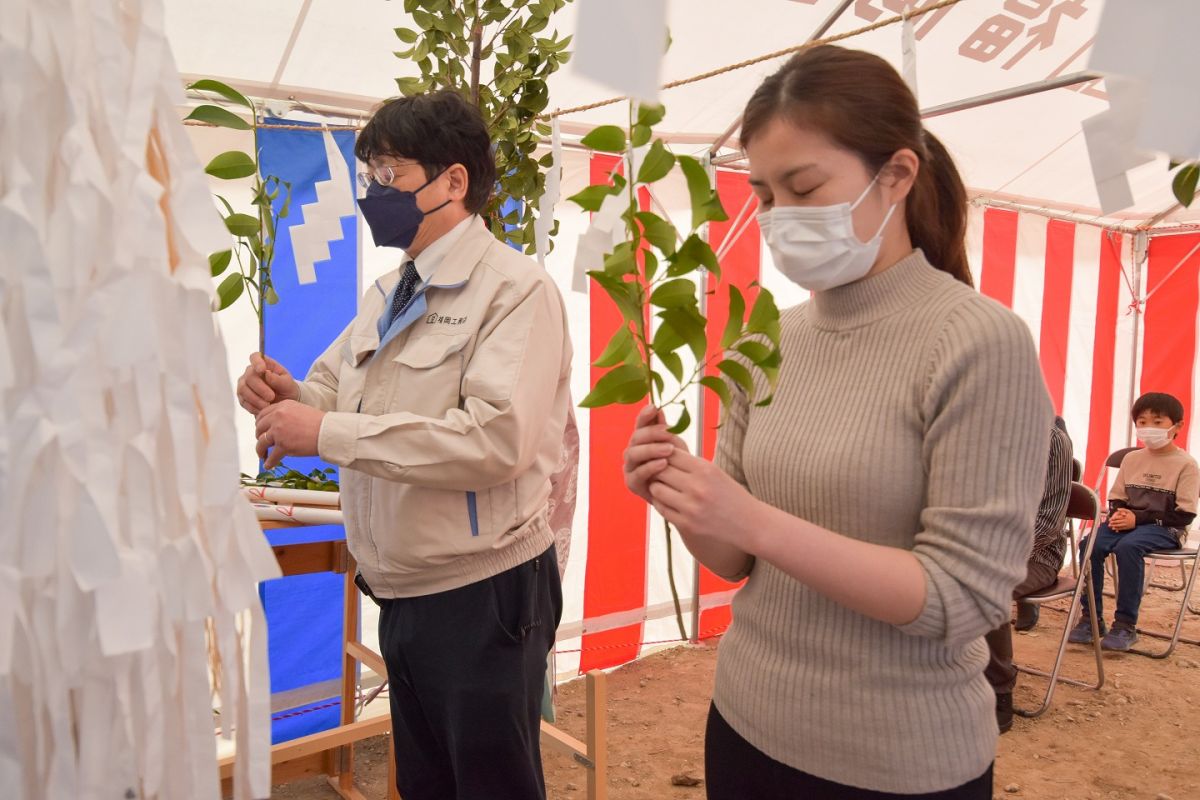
(860, 102)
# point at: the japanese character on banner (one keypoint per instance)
(997, 32)
(872, 10)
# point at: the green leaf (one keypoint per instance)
(674, 294)
(666, 339)
(222, 118)
(756, 351)
(624, 384)
(706, 205)
(658, 231)
(621, 261)
(271, 296)
(606, 139)
(592, 197)
(219, 262)
(657, 164)
(737, 318)
(411, 86)
(623, 293)
(764, 318)
(407, 36)
(224, 202)
(640, 135)
(650, 114)
(242, 224)
(693, 253)
(685, 421)
(649, 264)
(619, 347)
(230, 290)
(228, 92)
(719, 387)
(231, 165)
(1184, 184)
(687, 324)
(673, 363)
(738, 372)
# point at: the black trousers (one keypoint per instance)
(465, 676)
(734, 769)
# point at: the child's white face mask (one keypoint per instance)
(1154, 438)
(816, 247)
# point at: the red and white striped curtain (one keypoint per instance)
(1074, 285)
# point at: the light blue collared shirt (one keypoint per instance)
(426, 263)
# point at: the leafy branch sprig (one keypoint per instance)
(319, 480)
(648, 275)
(453, 42)
(653, 273)
(254, 235)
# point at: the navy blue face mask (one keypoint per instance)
(393, 215)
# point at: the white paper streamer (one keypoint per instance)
(123, 530)
(545, 218)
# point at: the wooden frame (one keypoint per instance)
(331, 753)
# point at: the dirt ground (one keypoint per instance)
(1136, 738)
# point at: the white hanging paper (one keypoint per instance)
(125, 532)
(634, 68)
(1110, 137)
(1154, 43)
(544, 224)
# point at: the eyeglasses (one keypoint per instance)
(382, 175)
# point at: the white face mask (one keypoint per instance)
(1154, 438)
(816, 247)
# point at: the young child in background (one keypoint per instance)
(1151, 505)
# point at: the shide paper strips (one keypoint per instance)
(123, 537)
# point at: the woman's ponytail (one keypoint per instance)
(936, 211)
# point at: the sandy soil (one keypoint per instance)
(1133, 739)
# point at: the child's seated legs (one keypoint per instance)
(1131, 550)
(1106, 541)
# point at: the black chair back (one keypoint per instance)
(1083, 504)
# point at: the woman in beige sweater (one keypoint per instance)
(882, 505)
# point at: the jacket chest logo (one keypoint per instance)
(442, 319)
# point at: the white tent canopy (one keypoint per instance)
(338, 55)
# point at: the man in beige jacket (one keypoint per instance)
(445, 403)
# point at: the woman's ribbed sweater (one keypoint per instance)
(910, 412)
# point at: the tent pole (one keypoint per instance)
(817, 34)
(711, 171)
(1141, 251)
(287, 51)
(1037, 87)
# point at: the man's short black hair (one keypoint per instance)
(1159, 403)
(438, 130)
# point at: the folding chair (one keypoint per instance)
(1189, 552)
(1073, 555)
(1085, 508)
